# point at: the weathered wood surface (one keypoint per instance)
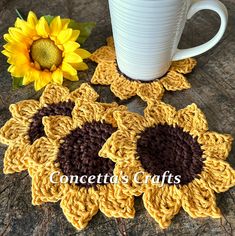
(213, 89)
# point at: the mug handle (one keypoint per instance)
(196, 6)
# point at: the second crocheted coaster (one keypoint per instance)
(25, 126)
(107, 73)
(172, 159)
(65, 165)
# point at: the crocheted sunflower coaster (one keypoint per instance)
(25, 126)
(165, 146)
(71, 149)
(107, 73)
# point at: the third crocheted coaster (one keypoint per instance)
(107, 73)
(25, 126)
(172, 159)
(65, 165)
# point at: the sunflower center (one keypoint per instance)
(78, 154)
(36, 129)
(46, 53)
(166, 148)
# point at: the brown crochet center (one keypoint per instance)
(166, 148)
(36, 129)
(78, 153)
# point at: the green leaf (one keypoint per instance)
(85, 29)
(17, 82)
(49, 18)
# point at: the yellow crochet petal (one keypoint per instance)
(124, 88)
(42, 151)
(53, 93)
(174, 81)
(85, 111)
(79, 207)
(57, 126)
(162, 203)
(116, 204)
(216, 145)
(15, 159)
(121, 145)
(103, 54)
(184, 66)
(130, 121)
(43, 190)
(136, 175)
(110, 42)
(85, 91)
(109, 114)
(150, 91)
(13, 130)
(191, 119)
(160, 112)
(219, 175)
(24, 109)
(105, 73)
(198, 200)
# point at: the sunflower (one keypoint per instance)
(44, 53)
(176, 143)
(25, 126)
(70, 149)
(108, 73)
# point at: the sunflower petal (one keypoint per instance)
(103, 54)
(57, 126)
(219, 175)
(184, 66)
(162, 204)
(70, 46)
(72, 57)
(198, 200)
(57, 76)
(191, 119)
(13, 130)
(15, 159)
(43, 79)
(80, 66)
(216, 145)
(85, 91)
(70, 77)
(84, 54)
(151, 92)
(43, 190)
(24, 109)
(42, 28)
(54, 93)
(66, 67)
(55, 26)
(119, 146)
(174, 81)
(42, 151)
(32, 19)
(74, 35)
(79, 207)
(116, 204)
(160, 112)
(122, 87)
(130, 121)
(64, 35)
(104, 74)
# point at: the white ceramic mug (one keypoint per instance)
(147, 32)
